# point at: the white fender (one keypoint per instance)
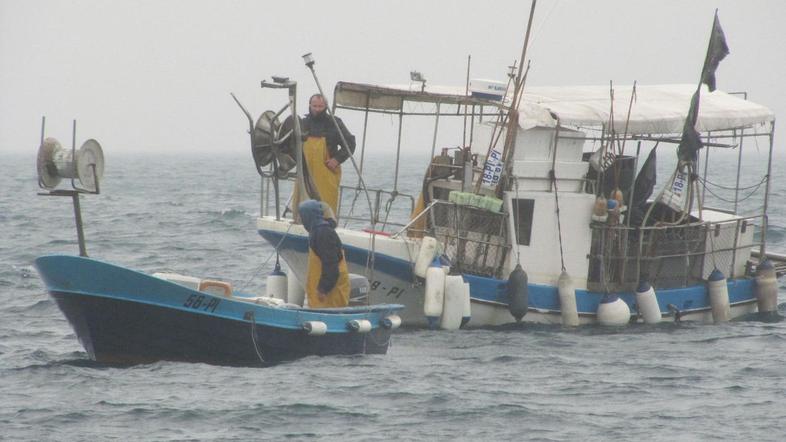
(296, 293)
(766, 287)
(315, 328)
(426, 254)
(567, 300)
(359, 325)
(453, 304)
(647, 303)
(435, 293)
(466, 315)
(392, 322)
(719, 296)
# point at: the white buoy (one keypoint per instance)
(719, 296)
(766, 287)
(453, 303)
(435, 293)
(296, 293)
(315, 328)
(466, 314)
(359, 325)
(647, 303)
(613, 311)
(567, 300)
(426, 254)
(277, 284)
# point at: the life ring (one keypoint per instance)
(216, 287)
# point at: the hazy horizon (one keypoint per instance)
(156, 76)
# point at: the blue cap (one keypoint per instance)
(716, 275)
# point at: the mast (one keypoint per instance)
(513, 113)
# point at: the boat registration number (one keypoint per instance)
(392, 291)
(201, 302)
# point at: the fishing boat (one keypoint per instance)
(545, 205)
(122, 316)
(126, 317)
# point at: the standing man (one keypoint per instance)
(327, 277)
(323, 150)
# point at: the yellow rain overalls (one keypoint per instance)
(327, 182)
(339, 296)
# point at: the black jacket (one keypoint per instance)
(327, 246)
(322, 126)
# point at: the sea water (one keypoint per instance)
(195, 214)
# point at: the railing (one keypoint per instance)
(352, 206)
(386, 212)
(669, 256)
(475, 240)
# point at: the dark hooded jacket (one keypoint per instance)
(323, 240)
(320, 125)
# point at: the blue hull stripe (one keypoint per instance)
(542, 297)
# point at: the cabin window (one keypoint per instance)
(522, 219)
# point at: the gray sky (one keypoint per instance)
(156, 75)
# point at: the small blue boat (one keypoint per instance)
(125, 317)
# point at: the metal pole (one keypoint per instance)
(762, 254)
(43, 126)
(466, 92)
(299, 184)
(80, 234)
(365, 127)
(472, 126)
(706, 166)
(262, 196)
(633, 184)
(436, 127)
(398, 151)
(73, 155)
(343, 140)
(739, 167)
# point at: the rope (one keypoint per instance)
(712, 250)
(559, 224)
(275, 252)
(749, 195)
(757, 185)
(254, 338)
(518, 249)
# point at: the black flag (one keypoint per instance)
(717, 51)
(646, 179)
(691, 139)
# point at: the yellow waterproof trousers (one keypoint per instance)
(315, 152)
(339, 296)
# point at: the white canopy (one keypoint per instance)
(656, 110)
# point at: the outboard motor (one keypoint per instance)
(518, 293)
(358, 289)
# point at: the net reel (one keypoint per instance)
(271, 144)
(55, 163)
